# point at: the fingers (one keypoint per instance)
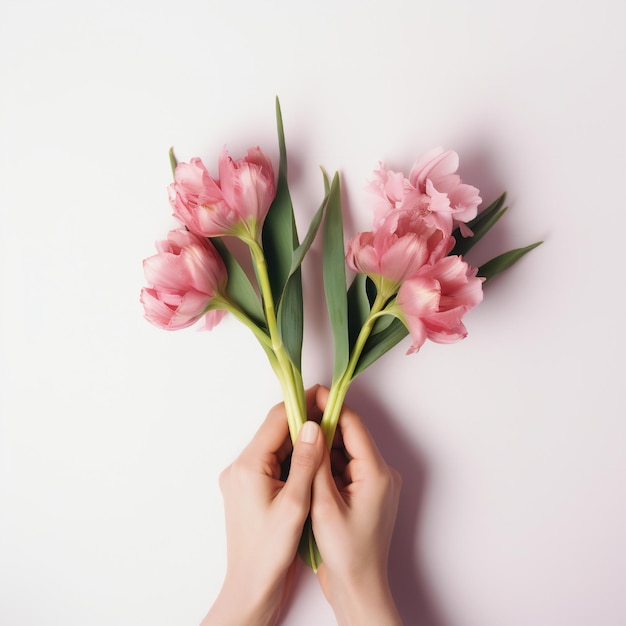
(325, 490)
(305, 461)
(312, 409)
(352, 433)
(273, 434)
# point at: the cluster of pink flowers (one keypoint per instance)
(407, 250)
(188, 274)
(406, 253)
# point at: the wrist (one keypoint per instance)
(241, 604)
(363, 600)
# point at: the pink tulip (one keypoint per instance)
(397, 249)
(235, 204)
(383, 254)
(183, 278)
(434, 301)
(433, 192)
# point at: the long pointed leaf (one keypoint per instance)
(239, 289)
(326, 182)
(300, 252)
(279, 230)
(359, 307)
(485, 214)
(334, 272)
(502, 262)
(291, 318)
(290, 309)
(173, 160)
(280, 239)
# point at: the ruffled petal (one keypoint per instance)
(419, 296)
(403, 258)
(435, 164)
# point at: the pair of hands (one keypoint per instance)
(352, 497)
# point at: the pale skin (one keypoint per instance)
(352, 496)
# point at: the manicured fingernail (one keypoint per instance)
(309, 432)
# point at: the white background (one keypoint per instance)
(512, 443)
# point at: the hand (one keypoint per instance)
(353, 514)
(264, 518)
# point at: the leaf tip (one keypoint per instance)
(279, 115)
(173, 159)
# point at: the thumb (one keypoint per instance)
(305, 459)
(326, 497)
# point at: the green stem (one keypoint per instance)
(339, 387)
(289, 377)
(221, 302)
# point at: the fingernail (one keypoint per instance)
(309, 432)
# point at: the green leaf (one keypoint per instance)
(326, 182)
(485, 214)
(290, 309)
(480, 226)
(282, 168)
(280, 237)
(382, 323)
(173, 160)
(359, 307)
(303, 248)
(502, 262)
(334, 272)
(239, 289)
(371, 289)
(290, 318)
(380, 342)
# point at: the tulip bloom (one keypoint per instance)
(396, 250)
(433, 302)
(385, 254)
(433, 192)
(235, 204)
(184, 277)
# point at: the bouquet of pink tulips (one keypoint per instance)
(410, 276)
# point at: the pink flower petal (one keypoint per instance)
(183, 279)
(211, 208)
(434, 301)
(213, 318)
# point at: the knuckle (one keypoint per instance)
(388, 479)
(237, 472)
(295, 504)
(305, 459)
(277, 409)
